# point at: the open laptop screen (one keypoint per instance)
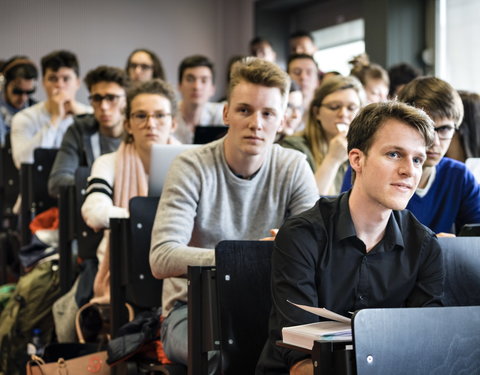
(210, 133)
(161, 158)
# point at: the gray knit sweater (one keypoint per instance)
(204, 202)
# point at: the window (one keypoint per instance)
(458, 58)
(338, 44)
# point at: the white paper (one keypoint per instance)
(323, 312)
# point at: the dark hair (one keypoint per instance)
(158, 71)
(156, 87)
(469, 130)
(298, 56)
(301, 34)
(435, 96)
(256, 41)
(19, 67)
(193, 62)
(105, 73)
(401, 74)
(60, 59)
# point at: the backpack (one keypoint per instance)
(29, 307)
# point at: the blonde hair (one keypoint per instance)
(259, 72)
(314, 131)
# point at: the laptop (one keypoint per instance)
(470, 230)
(208, 133)
(161, 158)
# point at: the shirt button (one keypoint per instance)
(362, 298)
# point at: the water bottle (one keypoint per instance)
(36, 346)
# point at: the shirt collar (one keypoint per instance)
(345, 228)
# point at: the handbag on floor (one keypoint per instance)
(95, 363)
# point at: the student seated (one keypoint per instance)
(399, 75)
(143, 65)
(238, 187)
(92, 135)
(335, 104)
(361, 249)
(45, 123)
(302, 42)
(448, 196)
(293, 114)
(373, 77)
(262, 48)
(121, 175)
(196, 84)
(303, 69)
(466, 141)
(20, 83)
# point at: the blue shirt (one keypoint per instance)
(6, 113)
(453, 198)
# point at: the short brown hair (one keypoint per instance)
(109, 74)
(435, 96)
(259, 72)
(155, 87)
(362, 130)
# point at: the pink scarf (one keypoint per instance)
(130, 181)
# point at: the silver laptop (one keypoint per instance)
(161, 158)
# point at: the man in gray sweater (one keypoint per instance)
(236, 188)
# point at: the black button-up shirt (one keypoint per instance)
(319, 261)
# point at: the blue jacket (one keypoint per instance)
(453, 198)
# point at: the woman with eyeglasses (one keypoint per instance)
(143, 64)
(116, 177)
(323, 141)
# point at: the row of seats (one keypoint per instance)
(229, 306)
(229, 303)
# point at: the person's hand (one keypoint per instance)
(304, 367)
(443, 234)
(57, 106)
(337, 148)
(273, 233)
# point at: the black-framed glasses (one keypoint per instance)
(143, 67)
(97, 99)
(445, 132)
(17, 91)
(141, 118)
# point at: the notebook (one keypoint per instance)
(161, 158)
(210, 133)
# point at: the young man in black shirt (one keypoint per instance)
(361, 249)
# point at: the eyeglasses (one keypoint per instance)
(335, 107)
(97, 99)
(17, 91)
(141, 118)
(143, 67)
(445, 132)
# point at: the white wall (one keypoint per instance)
(106, 31)
(462, 55)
